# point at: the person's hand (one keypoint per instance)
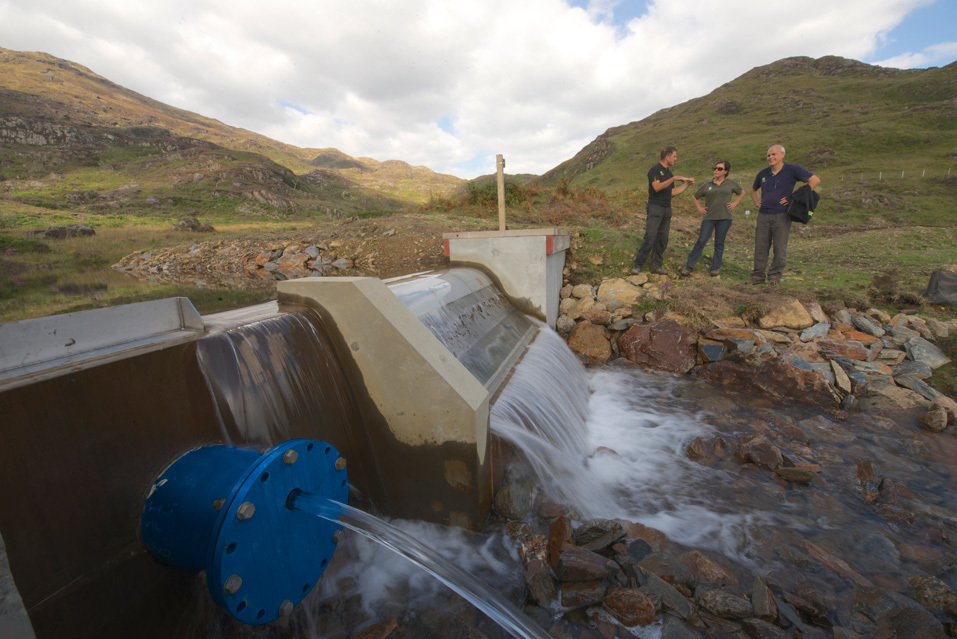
(784, 201)
(731, 205)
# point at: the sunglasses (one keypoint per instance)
(719, 168)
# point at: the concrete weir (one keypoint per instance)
(398, 376)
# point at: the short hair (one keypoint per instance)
(668, 150)
(727, 166)
(783, 152)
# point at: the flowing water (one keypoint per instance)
(481, 595)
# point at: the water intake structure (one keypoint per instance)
(166, 445)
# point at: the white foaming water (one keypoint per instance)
(541, 412)
(429, 547)
(622, 454)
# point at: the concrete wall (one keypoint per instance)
(527, 263)
(428, 413)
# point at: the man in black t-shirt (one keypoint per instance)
(661, 188)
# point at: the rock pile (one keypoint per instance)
(240, 263)
(851, 359)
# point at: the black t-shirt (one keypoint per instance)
(662, 174)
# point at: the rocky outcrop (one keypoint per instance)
(849, 359)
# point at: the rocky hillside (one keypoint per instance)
(71, 139)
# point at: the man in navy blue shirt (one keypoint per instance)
(776, 184)
(661, 188)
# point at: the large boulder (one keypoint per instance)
(591, 341)
(774, 378)
(667, 345)
(790, 314)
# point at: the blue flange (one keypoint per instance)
(224, 510)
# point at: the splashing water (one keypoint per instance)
(489, 601)
(542, 412)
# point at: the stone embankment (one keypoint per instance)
(851, 359)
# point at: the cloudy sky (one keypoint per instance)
(449, 83)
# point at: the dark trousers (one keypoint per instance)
(657, 227)
(720, 230)
(771, 233)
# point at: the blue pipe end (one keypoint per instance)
(225, 510)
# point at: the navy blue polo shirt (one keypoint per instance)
(774, 187)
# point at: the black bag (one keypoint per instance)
(802, 203)
(942, 288)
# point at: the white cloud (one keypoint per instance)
(533, 80)
(937, 54)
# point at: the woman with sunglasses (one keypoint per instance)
(717, 209)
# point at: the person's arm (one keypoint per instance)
(657, 185)
(813, 181)
(681, 189)
(754, 196)
(697, 204)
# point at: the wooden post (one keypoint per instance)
(500, 171)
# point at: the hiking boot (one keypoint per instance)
(685, 271)
(659, 271)
(774, 281)
(636, 270)
(714, 273)
(756, 281)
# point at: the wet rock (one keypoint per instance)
(949, 406)
(724, 604)
(670, 570)
(514, 500)
(892, 398)
(773, 378)
(598, 534)
(582, 593)
(807, 599)
(790, 314)
(629, 553)
(878, 612)
(629, 606)
(760, 452)
(934, 594)
(538, 580)
(762, 601)
(934, 420)
(590, 340)
(533, 547)
(669, 595)
(381, 630)
(706, 569)
(868, 480)
(760, 629)
(559, 540)
(920, 350)
(795, 475)
(579, 564)
(667, 345)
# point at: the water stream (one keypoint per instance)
(482, 596)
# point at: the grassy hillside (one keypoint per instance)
(59, 117)
(856, 126)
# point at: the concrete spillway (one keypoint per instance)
(397, 376)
